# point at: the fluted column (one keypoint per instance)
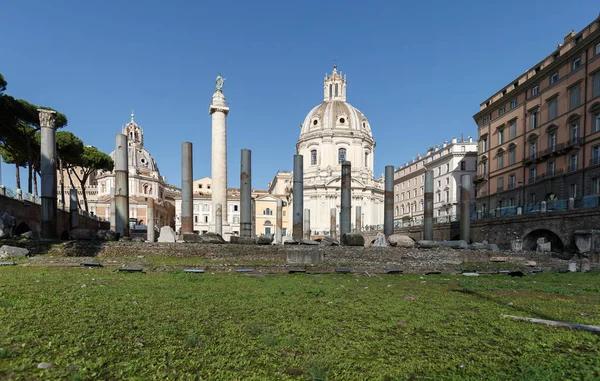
(219, 110)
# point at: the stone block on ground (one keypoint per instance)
(531, 263)
(238, 240)
(572, 267)
(191, 237)
(401, 240)
(7, 251)
(425, 244)
(290, 242)
(328, 241)
(352, 239)
(478, 246)
(380, 241)
(31, 235)
(498, 259)
(82, 234)
(493, 247)
(264, 239)
(585, 265)
(166, 234)
(107, 235)
(544, 247)
(211, 237)
(309, 242)
(302, 257)
(459, 244)
(516, 245)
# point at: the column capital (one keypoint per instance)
(46, 117)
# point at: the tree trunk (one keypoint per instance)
(73, 186)
(18, 176)
(82, 181)
(62, 182)
(35, 187)
(30, 179)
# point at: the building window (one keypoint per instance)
(485, 121)
(533, 149)
(447, 168)
(463, 165)
(512, 155)
(596, 185)
(366, 159)
(532, 198)
(268, 212)
(533, 120)
(552, 108)
(500, 159)
(500, 184)
(597, 122)
(415, 193)
(551, 167)
(532, 175)
(268, 230)
(574, 97)
(554, 78)
(235, 208)
(483, 144)
(205, 219)
(513, 104)
(208, 186)
(575, 64)
(199, 186)
(535, 90)
(512, 130)
(552, 140)
(501, 111)
(196, 219)
(501, 136)
(596, 85)
(573, 190)
(574, 135)
(313, 157)
(511, 181)
(341, 155)
(597, 50)
(439, 197)
(573, 162)
(596, 154)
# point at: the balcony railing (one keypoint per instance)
(532, 179)
(572, 168)
(500, 188)
(595, 160)
(511, 185)
(575, 141)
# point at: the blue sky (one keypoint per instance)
(417, 70)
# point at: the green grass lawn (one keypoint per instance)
(104, 325)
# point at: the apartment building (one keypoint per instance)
(448, 162)
(539, 136)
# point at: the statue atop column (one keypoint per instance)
(219, 82)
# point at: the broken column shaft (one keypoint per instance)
(465, 216)
(150, 221)
(279, 222)
(388, 209)
(333, 223)
(428, 206)
(187, 178)
(121, 187)
(246, 194)
(358, 220)
(346, 197)
(298, 197)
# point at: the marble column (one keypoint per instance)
(187, 203)
(219, 110)
(121, 187)
(150, 221)
(48, 172)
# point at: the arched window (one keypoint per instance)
(366, 159)
(341, 155)
(336, 89)
(500, 158)
(402, 208)
(330, 89)
(396, 213)
(512, 154)
(268, 212)
(313, 157)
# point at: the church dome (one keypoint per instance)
(335, 115)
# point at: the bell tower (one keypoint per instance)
(135, 135)
(334, 86)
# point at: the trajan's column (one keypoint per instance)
(219, 110)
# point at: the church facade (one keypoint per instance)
(332, 132)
